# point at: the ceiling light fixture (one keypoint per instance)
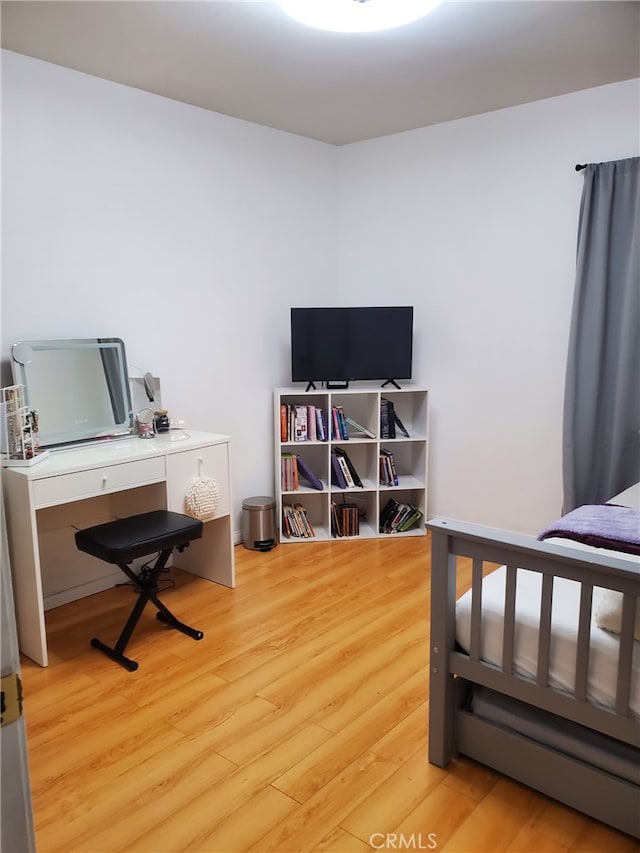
(357, 16)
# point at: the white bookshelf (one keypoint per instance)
(362, 404)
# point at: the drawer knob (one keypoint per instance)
(104, 481)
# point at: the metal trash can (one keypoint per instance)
(259, 532)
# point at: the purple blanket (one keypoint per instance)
(600, 525)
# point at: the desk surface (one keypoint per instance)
(114, 451)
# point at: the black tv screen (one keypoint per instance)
(344, 344)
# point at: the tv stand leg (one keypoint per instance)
(391, 382)
(310, 386)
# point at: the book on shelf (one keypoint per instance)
(345, 519)
(300, 424)
(350, 519)
(336, 526)
(387, 513)
(289, 526)
(394, 520)
(311, 423)
(388, 471)
(295, 522)
(414, 516)
(346, 473)
(401, 517)
(335, 429)
(387, 419)
(386, 477)
(321, 425)
(289, 472)
(397, 517)
(337, 475)
(409, 520)
(289, 421)
(305, 471)
(353, 474)
(292, 467)
(359, 428)
(342, 422)
(308, 527)
(340, 431)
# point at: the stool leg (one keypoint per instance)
(127, 663)
(148, 589)
(166, 616)
(116, 653)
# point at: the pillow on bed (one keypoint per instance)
(608, 611)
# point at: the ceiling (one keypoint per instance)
(245, 58)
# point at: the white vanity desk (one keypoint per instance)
(75, 488)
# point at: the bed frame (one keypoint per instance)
(453, 729)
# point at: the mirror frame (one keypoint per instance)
(122, 424)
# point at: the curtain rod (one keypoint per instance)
(580, 166)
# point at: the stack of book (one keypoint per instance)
(389, 420)
(398, 517)
(302, 423)
(292, 468)
(289, 480)
(339, 427)
(388, 472)
(345, 519)
(295, 523)
(343, 471)
(318, 418)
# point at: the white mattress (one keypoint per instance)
(564, 619)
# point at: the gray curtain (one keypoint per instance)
(601, 443)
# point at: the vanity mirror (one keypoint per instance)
(79, 388)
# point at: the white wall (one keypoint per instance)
(190, 235)
(184, 232)
(474, 222)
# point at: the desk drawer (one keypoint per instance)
(97, 481)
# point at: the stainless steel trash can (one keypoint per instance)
(259, 532)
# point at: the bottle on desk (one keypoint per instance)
(161, 420)
(145, 426)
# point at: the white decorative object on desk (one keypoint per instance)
(202, 497)
(20, 441)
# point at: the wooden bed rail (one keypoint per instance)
(493, 545)
(453, 539)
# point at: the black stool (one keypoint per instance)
(123, 540)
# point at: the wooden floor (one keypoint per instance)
(299, 723)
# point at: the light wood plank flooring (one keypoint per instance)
(299, 723)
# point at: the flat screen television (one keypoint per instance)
(339, 345)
